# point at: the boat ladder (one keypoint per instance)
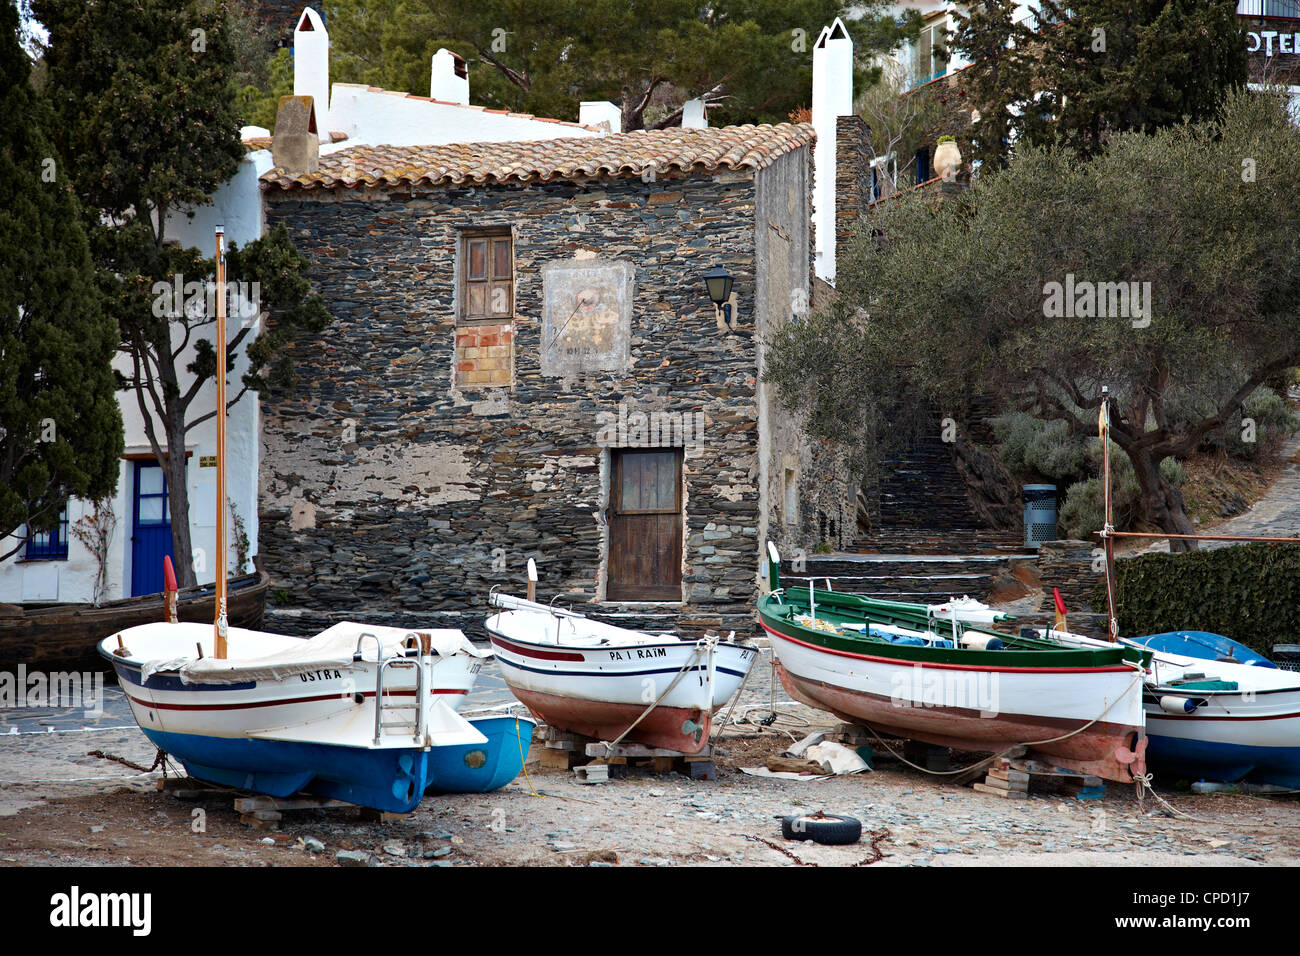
(409, 708)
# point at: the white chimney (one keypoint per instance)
(832, 97)
(595, 112)
(311, 66)
(449, 80)
(694, 115)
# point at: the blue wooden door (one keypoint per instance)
(151, 529)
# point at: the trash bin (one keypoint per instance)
(1040, 514)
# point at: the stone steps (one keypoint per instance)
(921, 578)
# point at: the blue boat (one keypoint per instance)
(479, 768)
(1204, 645)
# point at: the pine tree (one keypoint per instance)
(60, 427)
(1000, 79)
(750, 60)
(1109, 66)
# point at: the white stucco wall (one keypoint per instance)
(371, 116)
(236, 205)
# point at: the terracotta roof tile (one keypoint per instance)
(674, 150)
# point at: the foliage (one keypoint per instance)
(1084, 70)
(259, 101)
(743, 57)
(1001, 80)
(60, 428)
(898, 118)
(145, 93)
(1250, 593)
(953, 297)
(1108, 66)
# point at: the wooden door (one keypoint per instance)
(645, 526)
(151, 529)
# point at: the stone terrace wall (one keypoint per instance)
(390, 495)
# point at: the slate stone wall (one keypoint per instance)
(390, 494)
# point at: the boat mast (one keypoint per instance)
(1108, 526)
(221, 624)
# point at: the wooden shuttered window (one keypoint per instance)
(487, 277)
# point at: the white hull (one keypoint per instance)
(310, 702)
(596, 679)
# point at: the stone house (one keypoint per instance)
(525, 362)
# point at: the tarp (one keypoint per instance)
(332, 648)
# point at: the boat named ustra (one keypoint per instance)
(351, 714)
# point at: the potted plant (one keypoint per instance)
(947, 158)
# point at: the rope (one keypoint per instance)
(523, 759)
(722, 729)
(1036, 743)
(707, 643)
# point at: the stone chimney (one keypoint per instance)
(449, 80)
(694, 115)
(832, 97)
(295, 145)
(311, 66)
(597, 112)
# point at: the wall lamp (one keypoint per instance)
(719, 282)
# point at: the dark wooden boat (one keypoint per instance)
(63, 636)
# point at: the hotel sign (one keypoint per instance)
(1272, 42)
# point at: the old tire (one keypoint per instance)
(828, 828)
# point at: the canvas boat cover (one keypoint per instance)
(332, 648)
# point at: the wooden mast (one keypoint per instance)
(221, 624)
(1108, 527)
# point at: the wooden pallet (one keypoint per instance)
(261, 812)
(562, 749)
(1016, 778)
(698, 766)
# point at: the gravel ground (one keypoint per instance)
(59, 805)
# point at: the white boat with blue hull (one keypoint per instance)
(1215, 719)
(351, 714)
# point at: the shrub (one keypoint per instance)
(1250, 593)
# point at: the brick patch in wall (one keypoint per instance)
(484, 355)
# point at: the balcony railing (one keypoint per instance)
(1279, 9)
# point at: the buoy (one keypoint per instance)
(1178, 705)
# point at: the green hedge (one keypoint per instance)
(1248, 592)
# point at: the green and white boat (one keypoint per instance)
(930, 674)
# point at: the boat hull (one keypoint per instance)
(482, 768)
(286, 724)
(601, 691)
(1230, 738)
(392, 779)
(1096, 710)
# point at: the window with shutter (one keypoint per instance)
(485, 315)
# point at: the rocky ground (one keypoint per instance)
(61, 806)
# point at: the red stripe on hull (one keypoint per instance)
(527, 651)
(1089, 751)
(606, 721)
(249, 705)
(902, 661)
